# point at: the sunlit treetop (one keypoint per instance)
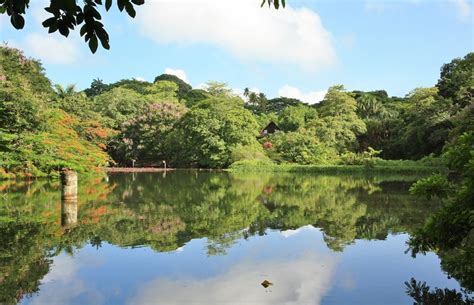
(66, 15)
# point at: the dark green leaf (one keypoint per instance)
(79, 18)
(17, 21)
(63, 29)
(83, 30)
(121, 4)
(50, 10)
(19, 6)
(130, 10)
(108, 4)
(70, 5)
(105, 44)
(53, 28)
(48, 22)
(93, 44)
(96, 14)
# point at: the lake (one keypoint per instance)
(195, 237)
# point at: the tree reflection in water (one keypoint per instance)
(422, 294)
(165, 212)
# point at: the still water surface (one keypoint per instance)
(192, 237)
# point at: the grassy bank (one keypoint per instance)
(380, 167)
(385, 167)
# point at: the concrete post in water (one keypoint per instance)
(68, 197)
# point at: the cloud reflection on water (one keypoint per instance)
(301, 280)
(63, 285)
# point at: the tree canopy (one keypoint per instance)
(212, 127)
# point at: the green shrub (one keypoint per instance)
(300, 148)
(367, 158)
(434, 185)
(248, 152)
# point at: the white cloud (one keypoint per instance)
(239, 92)
(139, 78)
(62, 285)
(63, 268)
(289, 233)
(51, 48)
(290, 36)
(302, 280)
(311, 97)
(464, 8)
(178, 250)
(200, 86)
(177, 72)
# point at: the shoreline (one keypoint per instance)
(339, 169)
(156, 169)
(269, 168)
(136, 169)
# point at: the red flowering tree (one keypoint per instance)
(142, 138)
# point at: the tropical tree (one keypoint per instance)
(371, 107)
(24, 91)
(143, 137)
(277, 105)
(299, 147)
(63, 92)
(219, 89)
(119, 105)
(294, 117)
(338, 125)
(183, 87)
(97, 87)
(427, 123)
(208, 133)
(457, 80)
(257, 102)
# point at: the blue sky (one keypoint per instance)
(296, 52)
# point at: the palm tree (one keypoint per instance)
(246, 92)
(62, 92)
(368, 106)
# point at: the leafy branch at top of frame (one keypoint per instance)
(68, 14)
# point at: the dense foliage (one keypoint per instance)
(167, 121)
(37, 138)
(450, 230)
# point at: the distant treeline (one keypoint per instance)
(45, 127)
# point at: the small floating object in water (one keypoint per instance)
(266, 283)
